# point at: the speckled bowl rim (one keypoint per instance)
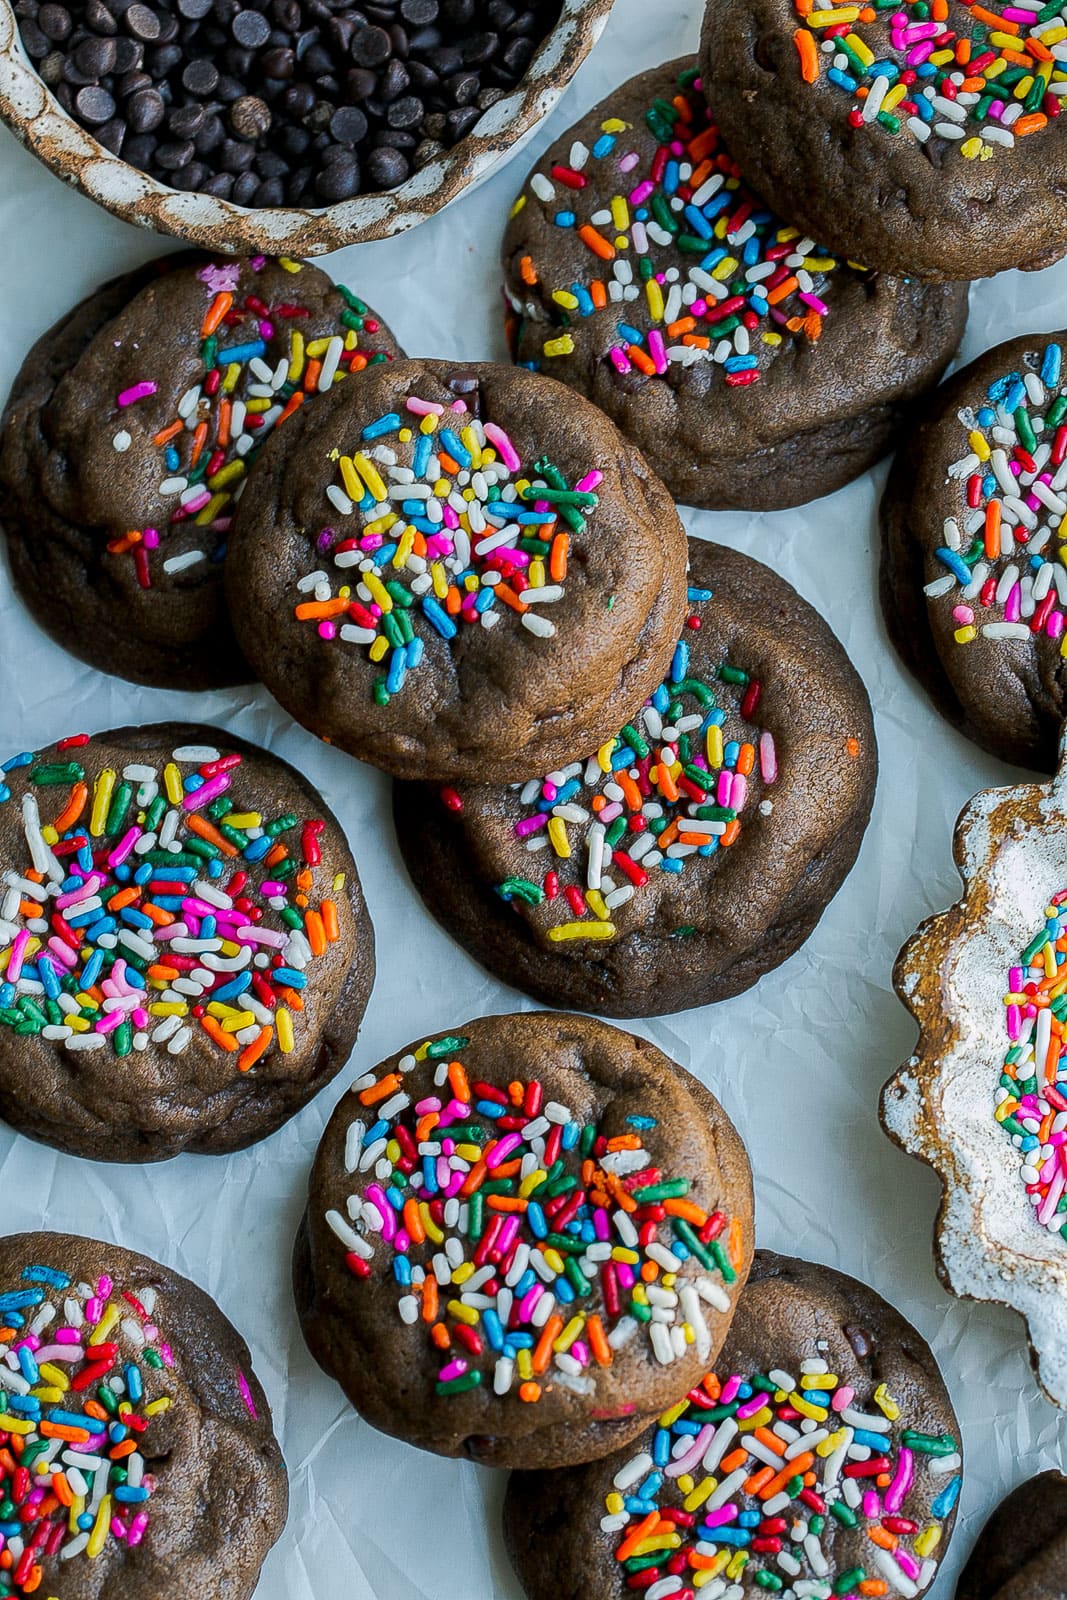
(40, 123)
(983, 1246)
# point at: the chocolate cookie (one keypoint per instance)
(457, 572)
(974, 587)
(924, 142)
(693, 851)
(523, 1240)
(754, 369)
(126, 441)
(185, 952)
(131, 1399)
(819, 1458)
(1021, 1552)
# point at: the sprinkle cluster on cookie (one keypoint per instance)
(674, 247)
(1003, 551)
(669, 790)
(452, 530)
(530, 1244)
(947, 72)
(259, 367)
(1031, 1098)
(82, 1376)
(157, 905)
(750, 1480)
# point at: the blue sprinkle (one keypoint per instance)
(414, 652)
(23, 760)
(630, 334)
(438, 617)
(1050, 365)
(564, 219)
(571, 1134)
(494, 1331)
(134, 1385)
(694, 596)
(490, 1108)
(28, 1365)
(37, 1274)
(947, 1498)
(842, 79)
(18, 1299)
(603, 147)
(986, 416)
(680, 661)
(1016, 395)
(955, 564)
(672, 864)
(256, 849)
(562, 1290)
(241, 352)
(387, 424)
(236, 986)
(123, 1492)
(535, 1217)
(636, 1121)
(402, 1270)
(698, 222)
(486, 599)
(290, 977)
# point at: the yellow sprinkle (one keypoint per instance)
(105, 787)
(213, 507)
(1063, 645)
(760, 1419)
(995, 68)
(834, 1442)
(405, 545)
(659, 1541)
(428, 424)
(15, 1424)
(979, 445)
(563, 346)
(564, 298)
(713, 742)
(569, 1334)
(806, 1409)
(462, 1313)
(858, 48)
(296, 356)
(49, 834)
(940, 58)
(1023, 87)
(474, 449)
(48, 1394)
(537, 572)
(100, 1528)
(350, 479)
(621, 1253)
(605, 753)
(229, 382)
(379, 648)
(894, 96)
(820, 1380)
(440, 580)
(1003, 41)
(156, 1406)
(927, 1541)
(554, 1260)
(107, 1322)
(581, 930)
(378, 592)
(699, 1494)
(524, 1362)
(595, 901)
(614, 125)
(965, 635)
(257, 406)
(669, 1418)
(654, 296)
(55, 1375)
(532, 1181)
(370, 475)
(518, 206)
(432, 1230)
(830, 19)
(283, 1019)
(244, 819)
(737, 1565)
(686, 1484)
(289, 264)
(620, 213)
(614, 1503)
(172, 783)
(557, 835)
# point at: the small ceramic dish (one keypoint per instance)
(36, 118)
(982, 1100)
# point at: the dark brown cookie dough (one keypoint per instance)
(130, 409)
(160, 1440)
(395, 625)
(508, 871)
(230, 935)
(989, 652)
(952, 194)
(754, 374)
(570, 1534)
(1021, 1552)
(578, 1139)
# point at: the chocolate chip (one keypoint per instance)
(339, 180)
(419, 11)
(860, 1341)
(142, 23)
(54, 22)
(174, 153)
(145, 110)
(371, 47)
(194, 9)
(201, 78)
(250, 118)
(348, 125)
(251, 29)
(95, 57)
(94, 105)
(386, 168)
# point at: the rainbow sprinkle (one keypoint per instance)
(456, 530)
(1032, 1095)
(80, 1375)
(693, 264)
(748, 1481)
(258, 369)
(996, 80)
(531, 1245)
(670, 788)
(998, 549)
(155, 907)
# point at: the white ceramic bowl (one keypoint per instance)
(35, 117)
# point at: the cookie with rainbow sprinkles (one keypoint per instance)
(693, 850)
(921, 137)
(137, 1456)
(817, 1459)
(128, 437)
(457, 571)
(523, 1239)
(974, 549)
(753, 367)
(185, 951)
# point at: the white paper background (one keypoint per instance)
(798, 1061)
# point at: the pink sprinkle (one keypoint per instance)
(658, 350)
(137, 1529)
(246, 1394)
(327, 629)
(140, 1017)
(1015, 978)
(619, 360)
(963, 614)
(906, 1562)
(206, 793)
(94, 1308)
(625, 1274)
(1013, 603)
(729, 1390)
(814, 302)
(629, 161)
(1054, 624)
(842, 1397)
(580, 1351)
(528, 1301)
(423, 408)
(502, 1150)
(221, 277)
(639, 195)
(68, 1336)
(136, 391)
(529, 825)
(894, 1495)
(738, 792)
(591, 481)
(454, 1369)
(124, 846)
(150, 538)
(872, 1506)
(691, 1457)
(508, 454)
(87, 887)
(18, 953)
(750, 1407)
(458, 408)
(118, 1528)
(918, 54)
(62, 952)
(720, 1517)
(768, 758)
(266, 330)
(724, 787)
(110, 1022)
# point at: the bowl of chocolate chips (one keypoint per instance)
(283, 126)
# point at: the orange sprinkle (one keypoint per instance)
(596, 242)
(1002, 25)
(665, 783)
(746, 759)
(730, 833)
(311, 609)
(429, 1298)
(252, 1052)
(222, 433)
(316, 933)
(413, 1222)
(639, 1532)
(629, 789)
(530, 1392)
(687, 1211)
(770, 1440)
(73, 809)
(557, 557)
(778, 1480)
(457, 1082)
(125, 897)
(62, 1489)
(735, 1459)
(872, 1586)
(598, 294)
(380, 1090)
(475, 1178)
(165, 435)
(734, 1252)
(200, 433)
(783, 291)
(542, 1353)
(1030, 124)
(198, 825)
(527, 270)
(311, 376)
(507, 1202)
(804, 40)
(448, 463)
(758, 1481)
(295, 400)
(939, 10)
(156, 914)
(214, 1030)
(852, 746)
(510, 598)
(215, 313)
(1039, 51)
(644, 363)
(441, 1336)
(683, 325)
(878, 1535)
(602, 1351)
